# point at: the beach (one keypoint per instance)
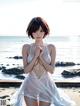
(73, 93)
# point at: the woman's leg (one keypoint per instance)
(30, 102)
(44, 103)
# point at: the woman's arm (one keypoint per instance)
(28, 66)
(49, 67)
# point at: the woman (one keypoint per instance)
(38, 88)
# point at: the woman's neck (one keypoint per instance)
(39, 43)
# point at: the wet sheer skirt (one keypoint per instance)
(43, 89)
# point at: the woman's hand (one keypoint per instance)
(41, 53)
(38, 51)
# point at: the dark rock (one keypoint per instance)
(7, 65)
(20, 76)
(63, 64)
(2, 67)
(13, 71)
(15, 57)
(9, 100)
(3, 97)
(1, 64)
(13, 64)
(9, 57)
(71, 73)
(78, 63)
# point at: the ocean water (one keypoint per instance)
(67, 50)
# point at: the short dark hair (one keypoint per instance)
(34, 25)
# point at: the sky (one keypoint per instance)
(62, 16)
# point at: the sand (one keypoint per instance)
(73, 93)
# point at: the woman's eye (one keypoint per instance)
(41, 30)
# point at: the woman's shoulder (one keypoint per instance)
(25, 47)
(51, 46)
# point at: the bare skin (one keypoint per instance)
(38, 36)
(32, 102)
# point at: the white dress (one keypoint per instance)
(41, 87)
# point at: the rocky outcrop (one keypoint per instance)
(13, 71)
(2, 67)
(16, 57)
(19, 76)
(71, 73)
(63, 64)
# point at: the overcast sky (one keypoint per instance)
(63, 16)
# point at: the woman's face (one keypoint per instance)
(39, 34)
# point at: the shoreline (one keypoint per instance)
(17, 83)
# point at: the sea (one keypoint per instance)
(67, 50)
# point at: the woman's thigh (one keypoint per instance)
(30, 101)
(44, 103)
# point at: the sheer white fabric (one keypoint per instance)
(40, 87)
(44, 89)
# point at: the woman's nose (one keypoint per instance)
(38, 33)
